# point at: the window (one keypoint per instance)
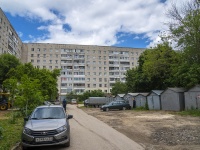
(44, 49)
(32, 60)
(94, 85)
(44, 67)
(100, 85)
(50, 61)
(38, 61)
(100, 79)
(38, 55)
(44, 61)
(32, 49)
(38, 49)
(88, 85)
(44, 55)
(94, 73)
(32, 55)
(56, 61)
(94, 79)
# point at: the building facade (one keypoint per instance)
(9, 39)
(83, 67)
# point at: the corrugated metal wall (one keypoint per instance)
(192, 98)
(153, 101)
(140, 101)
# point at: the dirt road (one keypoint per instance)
(155, 130)
(89, 133)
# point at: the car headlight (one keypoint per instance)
(61, 129)
(27, 131)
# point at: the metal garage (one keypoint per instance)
(141, 99)
(130, 97)
(173, 99)
(192, 98)
(154, 100)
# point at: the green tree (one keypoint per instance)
(119, 88)
(47, 78)
(92, 93)
(186, 75)
(136, 81)
(184, 29)
(159, 64)
(29, 94)
(7, 62)
(71, 95)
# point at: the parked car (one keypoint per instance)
(73, 101)
(47, 125)
(119, 104)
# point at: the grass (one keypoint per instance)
(192, 112)
(11, 130)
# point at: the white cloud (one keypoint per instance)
(92, 21)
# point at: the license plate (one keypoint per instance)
(44, 139)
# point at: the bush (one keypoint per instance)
(1, 132)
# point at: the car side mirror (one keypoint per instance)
(69, 116)
(26, 118)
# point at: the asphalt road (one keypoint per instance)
(89, 133)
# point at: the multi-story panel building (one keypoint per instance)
(83, 67)
(9, 39)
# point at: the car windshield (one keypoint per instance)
(48, 113)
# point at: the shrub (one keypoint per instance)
(1, 132)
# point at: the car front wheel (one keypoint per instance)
(67, 144)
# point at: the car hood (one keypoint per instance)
(45, 124)
(105, 106)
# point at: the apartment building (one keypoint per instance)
(9, 39)
(83, 67)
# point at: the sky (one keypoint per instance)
(121, 23)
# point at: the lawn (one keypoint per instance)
(10, 129)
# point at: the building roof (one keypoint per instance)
(178, 90)
(144, 94)
(157, 92)
(133, 94)
(196, 86)
(120, 95)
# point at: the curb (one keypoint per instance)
(17, 146)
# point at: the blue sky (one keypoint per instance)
(123, 23)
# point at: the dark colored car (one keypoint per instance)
(120, 105)
(48, 125)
